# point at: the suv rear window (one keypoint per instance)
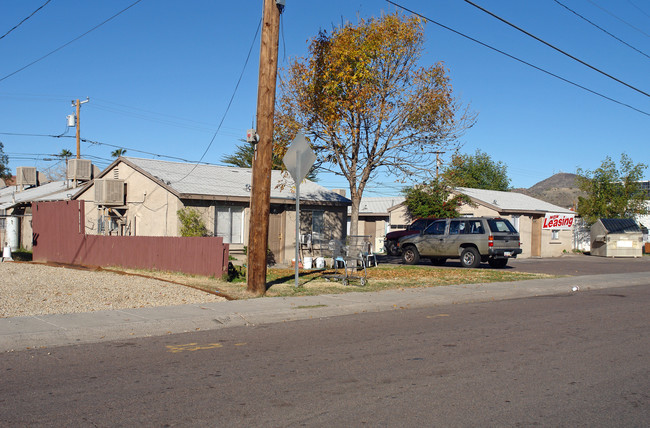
(501, 225)
(464, 227)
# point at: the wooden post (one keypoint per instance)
(258, 235)
(78, 104)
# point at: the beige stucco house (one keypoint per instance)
(141, 197)
(374, 218)
(533, 218)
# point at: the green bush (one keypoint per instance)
(191, 223)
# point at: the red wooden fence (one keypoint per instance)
(59, 236)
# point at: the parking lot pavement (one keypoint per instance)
(573, 265)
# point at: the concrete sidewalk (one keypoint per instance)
(19, 333)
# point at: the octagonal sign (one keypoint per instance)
(299, 158)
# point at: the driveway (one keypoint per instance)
(574, 265)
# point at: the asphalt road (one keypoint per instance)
(577, 359)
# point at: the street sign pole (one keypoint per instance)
(297, 227)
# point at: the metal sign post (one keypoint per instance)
(299, 159)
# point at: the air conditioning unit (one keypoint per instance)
(109, 192)
(80, 169)
(26, 176)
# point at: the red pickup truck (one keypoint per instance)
(390, 242)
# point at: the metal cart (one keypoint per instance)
(351, 258)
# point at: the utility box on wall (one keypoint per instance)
(616, 237)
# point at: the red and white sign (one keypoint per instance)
(558, 221)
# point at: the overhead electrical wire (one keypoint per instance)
(232, 97)
(638, 8)
(556, 48)
(600, 28)
(102, 144)
(71, 41)
(518, 59)
(620, 19)
(20, 23)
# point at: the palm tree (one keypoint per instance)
(65, 154)
(118, 152)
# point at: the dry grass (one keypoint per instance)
(281, 282)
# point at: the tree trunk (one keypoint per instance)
(354, 213)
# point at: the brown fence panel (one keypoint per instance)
(59, 237)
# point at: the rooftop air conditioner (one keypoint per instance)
(79, 169)
(26, 176)
(109, 192)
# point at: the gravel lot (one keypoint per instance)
(33, 289)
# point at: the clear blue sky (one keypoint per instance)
(161, 74)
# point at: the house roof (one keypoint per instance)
(511, 202)
(192, 181)
(54, 191)
(377, 205)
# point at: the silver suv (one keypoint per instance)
(471, 239)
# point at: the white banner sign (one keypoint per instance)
(558, 221)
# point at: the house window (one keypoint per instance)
(515, 222)
(229, 223)
(555, 235)
(317, 225)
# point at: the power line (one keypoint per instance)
(232, 97)
(556, 48)
(600, 28)
(620, 19)
(19, 24)
(640, 10)
(518, 59)
(104, 144)
(71, 41)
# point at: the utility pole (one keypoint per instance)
(78, 123)
(258, 234)
(438, 162)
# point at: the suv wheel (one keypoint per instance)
(410, 255)
(470, 258)
(391, 248)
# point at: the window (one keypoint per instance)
(555, 235)
(229, 222)
(501, 225)
(515, 222)
(317, 225)
(436, 228)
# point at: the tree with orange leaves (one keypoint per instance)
(366, 105)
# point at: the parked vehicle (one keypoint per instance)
(390, 242)
(472, 240)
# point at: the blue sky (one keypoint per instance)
(161, 74)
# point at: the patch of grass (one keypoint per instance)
(22, 255)
(281, 282)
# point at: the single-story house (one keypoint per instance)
(545, 229)
(142, 197)
(16, 210)
(374, 218)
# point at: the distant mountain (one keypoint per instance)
(559, 189)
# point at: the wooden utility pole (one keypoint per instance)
(78, 123)
(258, 234)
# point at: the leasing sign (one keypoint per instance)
(558, 221)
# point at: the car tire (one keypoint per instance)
(391, 248)
(470, 258)
(438, 261)
(410, 255)
(498, 263)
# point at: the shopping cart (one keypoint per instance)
(351, 258)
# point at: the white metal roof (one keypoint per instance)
(377, 205)
(53, 191)
(213, 180)
(511, 201)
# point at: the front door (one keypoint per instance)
(276, 236)
(536, 237)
